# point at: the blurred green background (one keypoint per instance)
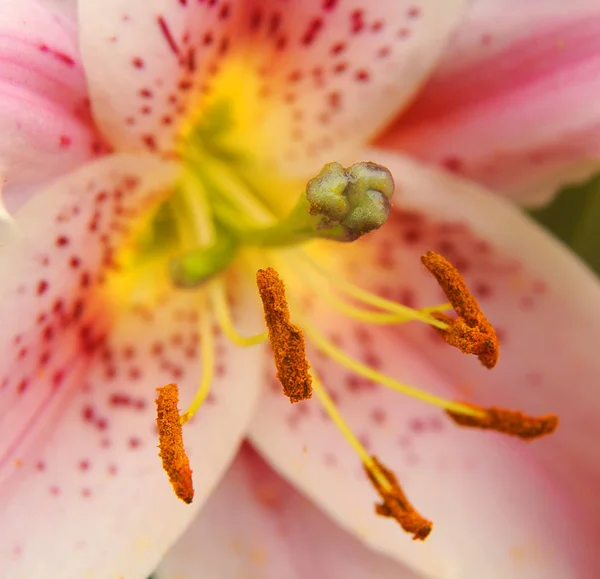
(574, 217)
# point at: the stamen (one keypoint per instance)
(395, 504)
(471, 332)
(286, 338)
(207, 355)
(327, 347)
(223, 315)
(510, 422)
(172, 452)
(403, 312)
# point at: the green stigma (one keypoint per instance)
(349, 203)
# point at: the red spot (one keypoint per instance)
(452, 164)
(224, 14)
(58, 377)
(338, 48)
(74, 262)
(149, 141)
(86, 493)
(137, 62)
(312, 31)
(379, 416)
(145, 93)
(48, 333)
(85, 279)
(84, 464)
(414, 12)
(42, 287)
(340, 67)
(146, 110)
(329, 4)
(361, 75)
(88, 414)
(40, 465)
(334, 100)
(356, 21)
(164, 28)
(167, 120)
(61, 56)
(54, 490)
(482, 290)
(112, 469)
(23, 385)
(383, 52)
(134, 443)
(62, 241)
(64, 141)
(275, 23)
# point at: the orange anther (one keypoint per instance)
(174, 459)
(286, 338)
(396, 505)
(511, 422)
(471, 332)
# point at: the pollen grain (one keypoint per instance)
(174, 459)
(471, 332)
(287, 339)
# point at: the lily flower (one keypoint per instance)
(129, 263)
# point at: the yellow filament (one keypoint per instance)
(403, 312)
(223, 315)
(338, 420)
(327, 347)
(370, 316)
(199, 208)
(234, 189)
(207, 355)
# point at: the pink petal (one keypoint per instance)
(257, 526)
(45, 126)
(513, 104)
(330, 73)
(501, 507)
(82, 487)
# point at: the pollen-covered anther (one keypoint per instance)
(511, 422)
(174, 459)
(395, 504)
(287, 339)
(471, 332)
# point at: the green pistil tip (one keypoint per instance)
(348, 203)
